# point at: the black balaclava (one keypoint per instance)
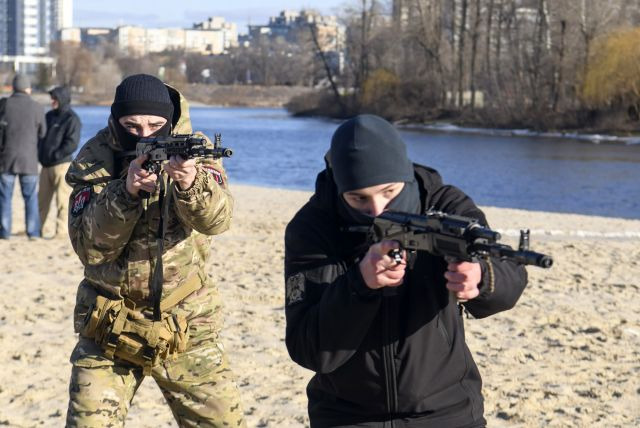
(140, 94)
(368, 151)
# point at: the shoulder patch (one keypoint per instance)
(217, 175)
(295, 289)
(82, 198)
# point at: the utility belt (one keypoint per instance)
(123, 331)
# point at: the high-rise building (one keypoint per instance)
(27, 27)
(61, 16)
(4, 26)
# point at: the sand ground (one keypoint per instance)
(567, 355)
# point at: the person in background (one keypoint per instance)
(19, 158)
(54, 154)
(385, 337)
(146, 305)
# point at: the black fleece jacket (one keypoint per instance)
(383, 356)
(63, 132)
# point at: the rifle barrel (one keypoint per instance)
(222, 152)
(522, 257)
(479, 232)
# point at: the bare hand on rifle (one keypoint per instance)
(379, 269)
(182, 171)
(463, 279)
(139, 178)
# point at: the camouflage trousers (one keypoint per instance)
(198, 386)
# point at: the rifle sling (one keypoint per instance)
(125, 154)
(157, 279)
(189, 286)
(181, 292)
(176, 296)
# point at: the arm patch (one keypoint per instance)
(217, 175)
(82, 198)
(295, 289)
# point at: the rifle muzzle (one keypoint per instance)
(532, 258)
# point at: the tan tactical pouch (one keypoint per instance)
(126, 334)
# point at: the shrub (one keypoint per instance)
(612, 77)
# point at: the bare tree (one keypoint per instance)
(74, 63)
(558, 74)
(327, 68)
(361, 23)
(462, 30)
(595, 16)
(487, 37)
(429, 35)
(475, 34)
(540, 47)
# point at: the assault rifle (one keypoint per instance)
(451, 236)
(186, 146)
(160, 149)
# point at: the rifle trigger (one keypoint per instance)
(396, 255)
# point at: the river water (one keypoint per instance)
(533, 173)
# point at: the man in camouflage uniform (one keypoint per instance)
(113, 229)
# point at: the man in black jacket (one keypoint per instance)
(385, 339)
(19, 157)
(54, 153)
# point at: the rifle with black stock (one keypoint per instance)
(454, 237)
(158, 150)
(187, 146)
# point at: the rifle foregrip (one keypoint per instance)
(531, 258)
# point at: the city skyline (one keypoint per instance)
(95, 13)
(28, 26)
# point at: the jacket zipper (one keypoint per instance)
(389, 364)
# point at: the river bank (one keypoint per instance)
(201, 95)
(591, 125)
(593, 137)
(567, 355)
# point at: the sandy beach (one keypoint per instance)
(568, 355)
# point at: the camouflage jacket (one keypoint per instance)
(114, 234)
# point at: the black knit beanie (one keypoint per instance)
(367, 151)
(142, 94)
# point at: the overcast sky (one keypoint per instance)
(183, 13)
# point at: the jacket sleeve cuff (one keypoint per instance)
(487, 284)
(124, 196)
(358, 286)
(198, 185)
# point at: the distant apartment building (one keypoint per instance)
(295, 27)
(298, 27)
(229, 30)
(211, 37)
(27, 27)
(90, 37)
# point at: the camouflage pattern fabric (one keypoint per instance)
(198, 386)
(114, 235)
